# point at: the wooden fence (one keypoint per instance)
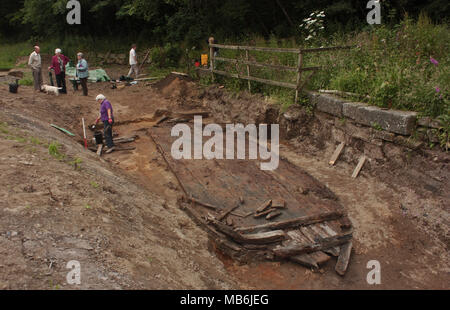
(299, 69)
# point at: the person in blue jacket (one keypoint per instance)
(83, 72)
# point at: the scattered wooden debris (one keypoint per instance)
(358, 168)
(278, 204)
(162, 119)
(263, 213)
(299, 221)
(273, 215)
(294, 248)
(264, 206)
(225, 212)
(336, 153)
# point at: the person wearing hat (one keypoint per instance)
(107, 117)
(35, 63)
(83, 72)
(58, 65)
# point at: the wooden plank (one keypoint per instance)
(265, 237)
(299, 221)
(265, 81)
(323, 234)
(264, 206)
(225, 212)
(248, 71)
(256, 48)
(278, 203)
(263, 213)
(100, 149)
(344, 258)
(325, 49)
(273, 215)
(299, 75)
(336, 153)
(358, 168)
(257, 64)
(145, 59)
(257, 238)
(294, 248)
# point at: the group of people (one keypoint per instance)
(58, 65)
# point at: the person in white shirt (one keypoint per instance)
(35, 63)
(133, 62)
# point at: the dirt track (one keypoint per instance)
(133, 235)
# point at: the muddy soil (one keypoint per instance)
(118, 215)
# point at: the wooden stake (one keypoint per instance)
(99, 150)
(343, 259)
(84, 133)
(299, 74)
(358, 168)
(248, 71)
(336, 153)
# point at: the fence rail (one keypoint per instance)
(299, 69)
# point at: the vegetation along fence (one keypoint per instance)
(299, 69)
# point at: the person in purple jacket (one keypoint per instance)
(59, 62)
(107, 117)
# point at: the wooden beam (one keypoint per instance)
(270, 82)
(299, 221)
(295, 248)
(336, 153)
(358, 168)
(325, 49)
(225, 212)
(256, 48)
(299, 75)
(344, 258)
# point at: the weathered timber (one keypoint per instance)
(278, 203)
(358, 168)
(294, 248)
(336, 153)
(299, 221)
(225, 212)
(273, 215)
(263, 213)
(258, 238)
(344, 258)
(266, 204)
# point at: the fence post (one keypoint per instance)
(299, 74)
(248, 72)
(211, 56)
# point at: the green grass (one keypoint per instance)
(390, 64)
(54, 150)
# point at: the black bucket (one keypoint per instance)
(13, 88)
(98, 135)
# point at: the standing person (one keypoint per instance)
(107, 117)
(59, 62)
(35, 63)
(83, 72)
(133, 62)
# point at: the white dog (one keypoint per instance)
(51, 89)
